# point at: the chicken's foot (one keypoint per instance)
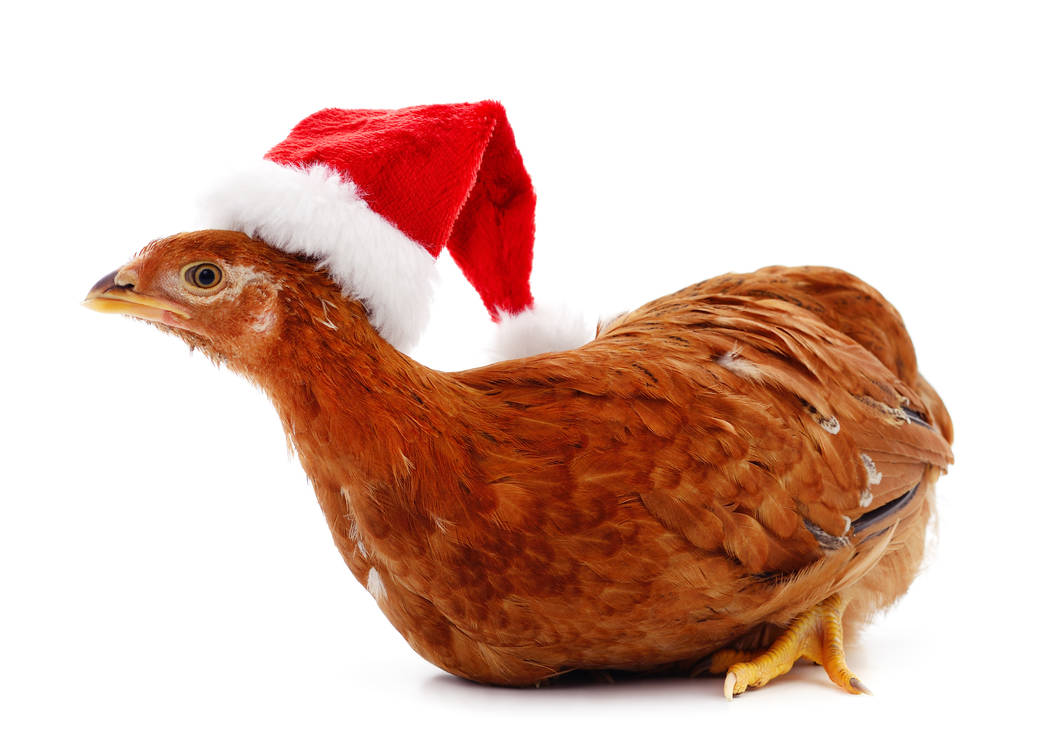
(815, 635)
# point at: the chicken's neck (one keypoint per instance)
(354, 406)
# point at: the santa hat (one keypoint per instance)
(377, 194)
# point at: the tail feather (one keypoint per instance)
(833, 573)
(942, 421)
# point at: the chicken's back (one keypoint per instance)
(848, 305)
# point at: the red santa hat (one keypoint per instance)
(377, 194)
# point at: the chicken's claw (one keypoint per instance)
(729, 688)
(815, 635)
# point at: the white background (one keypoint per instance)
(163, 565)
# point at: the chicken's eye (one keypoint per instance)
(204, 276)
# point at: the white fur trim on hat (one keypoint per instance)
(316, 212)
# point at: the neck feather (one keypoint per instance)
(350, 403)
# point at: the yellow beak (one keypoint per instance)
(110, 297)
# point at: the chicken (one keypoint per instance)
(745, 465)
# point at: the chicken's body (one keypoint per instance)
(711, 466)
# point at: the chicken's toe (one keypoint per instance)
(815, 635)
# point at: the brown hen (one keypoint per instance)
(745, 459)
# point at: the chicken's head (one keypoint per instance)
(221, 291)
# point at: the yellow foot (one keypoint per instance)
(815, 635)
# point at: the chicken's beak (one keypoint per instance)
(109, 296)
